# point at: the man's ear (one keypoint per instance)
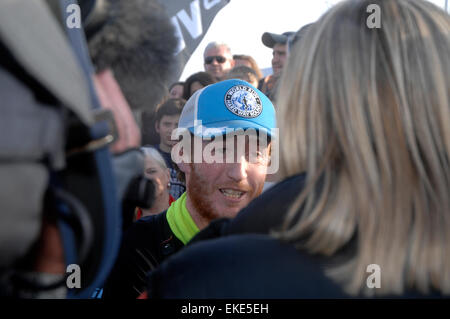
(157, 127)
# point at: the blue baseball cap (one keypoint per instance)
(226, 106)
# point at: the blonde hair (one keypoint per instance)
(365, 112)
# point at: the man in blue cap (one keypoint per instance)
(227, 129)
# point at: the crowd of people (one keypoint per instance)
(357, 117)
(220, 64)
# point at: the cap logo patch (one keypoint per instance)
(243, 101)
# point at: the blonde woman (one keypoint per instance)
(365, 113)
(157, 171)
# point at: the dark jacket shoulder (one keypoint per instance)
(242, 266)
(144, 246)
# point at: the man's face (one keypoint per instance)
(218, 69)
(222, 189)
(165, 127)
(279, 55)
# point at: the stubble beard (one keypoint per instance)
(199, 194)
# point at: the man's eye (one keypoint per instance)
(150, 171)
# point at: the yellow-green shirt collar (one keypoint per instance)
(180, 221)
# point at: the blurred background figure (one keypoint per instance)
(247, 60)
(176, 90)
(218, 60)
(244, 73)
(196, 82)
(156, 170)
(278, 44)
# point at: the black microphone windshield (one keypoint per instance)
(137, 41)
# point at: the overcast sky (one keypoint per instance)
(241, 24)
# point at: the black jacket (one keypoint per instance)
(245, 262)
(242, 266)
(248, 263)
(145, 245)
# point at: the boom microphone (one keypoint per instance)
(137, 41)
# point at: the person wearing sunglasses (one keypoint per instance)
(218, 60)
